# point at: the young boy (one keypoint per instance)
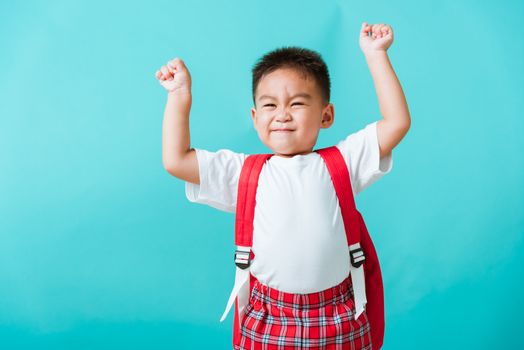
(298, 236)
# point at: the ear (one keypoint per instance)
(253, 115)
(328, 116)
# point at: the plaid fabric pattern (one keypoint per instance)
(275, 320)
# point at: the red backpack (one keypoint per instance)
(366, 277)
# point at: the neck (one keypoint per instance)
(292, 155)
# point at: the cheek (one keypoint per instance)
(264, 122)
(262, 126)
(309, 121)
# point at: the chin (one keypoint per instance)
(283, 150)
(278, 151)
(287, 153)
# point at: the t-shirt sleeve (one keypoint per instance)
(362, 155)
(219, 174)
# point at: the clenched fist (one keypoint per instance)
(175, 77)
(380, 40)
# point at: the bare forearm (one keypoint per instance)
(175, 129)
(391, 99)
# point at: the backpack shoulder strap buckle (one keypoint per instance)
(242, 257)
(357, 255)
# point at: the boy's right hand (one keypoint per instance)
(175, 77)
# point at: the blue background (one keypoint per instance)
(99, 247)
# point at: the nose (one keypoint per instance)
(283, 116)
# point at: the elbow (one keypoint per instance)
(174, 167)
(173, 161)
(404, 128)
(170, 167)
(404, 125)
(408, 122)
(170, 163)
(170, 170)
(399, 125)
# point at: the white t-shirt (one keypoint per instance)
(299, 240)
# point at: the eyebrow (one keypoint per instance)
(300, 94)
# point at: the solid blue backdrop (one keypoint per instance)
(99, 247)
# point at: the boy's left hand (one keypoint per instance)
(380, 40)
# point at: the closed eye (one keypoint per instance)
(295, 103)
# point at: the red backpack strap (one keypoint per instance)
(339, 173)
(245, 211)
(247, 188)
(367, 278)
(341, 181)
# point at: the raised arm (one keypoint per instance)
(393, 107)
(178, 158)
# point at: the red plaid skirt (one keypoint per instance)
(276, 320)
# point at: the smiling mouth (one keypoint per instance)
(284, 130)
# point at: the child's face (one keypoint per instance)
(278, 106)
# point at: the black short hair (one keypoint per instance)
(305, 61)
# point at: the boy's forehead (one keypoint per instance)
(299, 94)
(289, 81)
